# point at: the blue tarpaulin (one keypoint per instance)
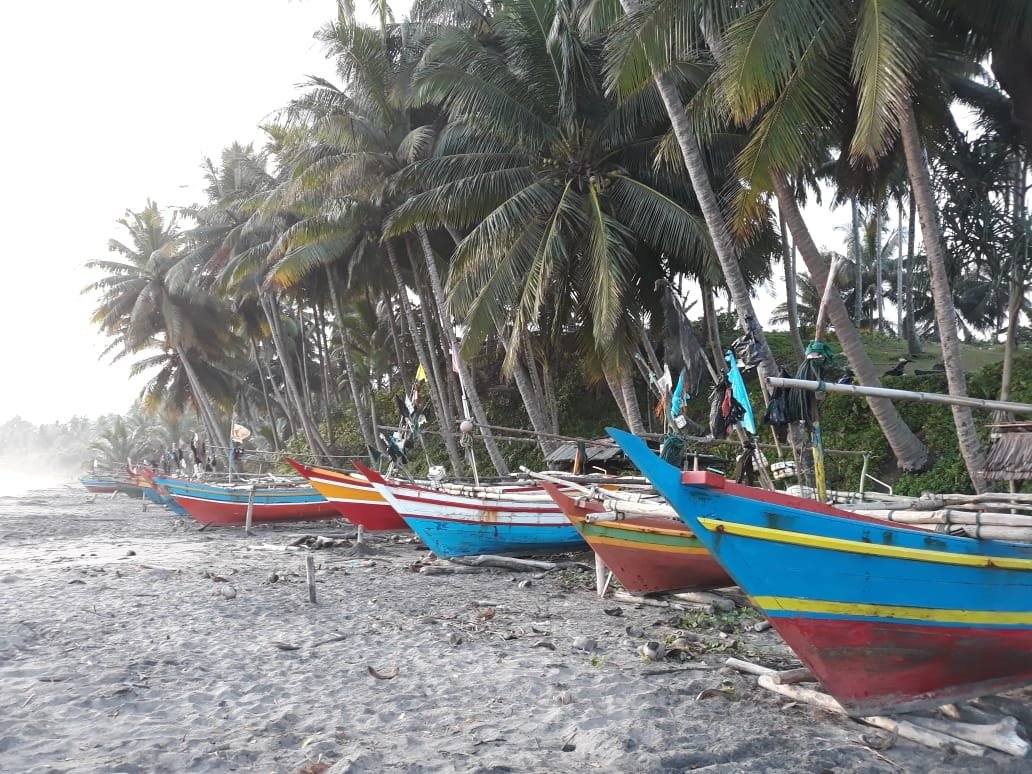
(738, 391)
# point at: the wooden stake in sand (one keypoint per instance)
(250, 512)
(310, 573)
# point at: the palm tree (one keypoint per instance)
(132, 438)
(547, 185)
(648, 40)
(756, 61)
(230, 251)
(141, 308)
(359, 137)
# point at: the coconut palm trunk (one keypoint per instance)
(436, 346)
(436, 394)
(618, 396)
(465, 375)
(899, 269)
(788, 252)
(315, 441)
(204, 405)
(715, 223)
(630, 397)
(945, 315)
(530, 391)
(723, 245)
(329, 382)
(1016, 286)
(878, 278)
(913, 342)
(711, 324)
(368, 436)
(396, 338)
(858, 297)
(265, 395)
(368, 432)
(910, 453)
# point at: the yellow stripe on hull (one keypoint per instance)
(856, 547)
(862, 610)
(643, 546)
(344, 493)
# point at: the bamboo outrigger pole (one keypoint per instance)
(885, 392)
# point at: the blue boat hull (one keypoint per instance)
(461, 538)
(228, 506)
(889, 618)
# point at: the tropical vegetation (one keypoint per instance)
(481, 215)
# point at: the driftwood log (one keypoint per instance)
(790, 676)
(749, 667)
(716, 601)
(1002, 735)
(512, 563)
(781, 677)
(636, 599)
(682, 601)
(488, 562)
(454, 569)
(904, 728)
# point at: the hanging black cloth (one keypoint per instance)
(745, 465)
(776, 416)
(747, 348)
(725, 410)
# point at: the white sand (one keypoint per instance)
(131, 642)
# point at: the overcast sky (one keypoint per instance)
(110, 103)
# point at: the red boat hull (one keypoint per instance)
(235, 514)
(860, 660)
(646, 553)
(353, 497)
(653, 571)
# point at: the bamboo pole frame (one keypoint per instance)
(891, 394)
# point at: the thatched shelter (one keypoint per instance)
(1010, 455)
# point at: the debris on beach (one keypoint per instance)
(433, 565)
(653, 650)
(949, 733)
(284, 645)
(585, 643)
(390, 674)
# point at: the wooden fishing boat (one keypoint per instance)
(352, 495)
(645, 553)
(520, 520)
(888, 617)
(156, 493)
(101, 484)
(226, 505)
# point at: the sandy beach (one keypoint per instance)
(130, 641)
